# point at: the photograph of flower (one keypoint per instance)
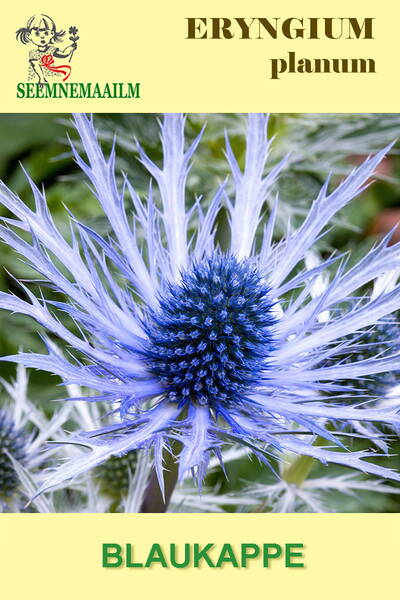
(200, 313)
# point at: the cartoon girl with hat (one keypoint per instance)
(41, 31)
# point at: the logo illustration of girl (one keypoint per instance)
(41, 31)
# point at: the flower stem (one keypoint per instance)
(153, 500)
(298, 471)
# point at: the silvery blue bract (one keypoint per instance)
(194, 344)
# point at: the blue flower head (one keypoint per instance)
(196, 345)
(211, 333)
(377, 341)
(13, 442)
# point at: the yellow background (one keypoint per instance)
(51, 557)
(131, 41)
(59, 556)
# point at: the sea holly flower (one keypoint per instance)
(193, 347)
(377, 341)
(24, 430)
(13, 442)
(114, 475)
